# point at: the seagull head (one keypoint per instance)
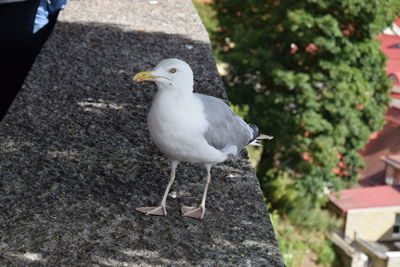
(170, 73)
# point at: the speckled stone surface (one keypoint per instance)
(76, 157)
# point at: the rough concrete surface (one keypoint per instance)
(76, 157)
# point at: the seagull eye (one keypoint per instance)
(172, 70)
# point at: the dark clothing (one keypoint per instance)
(11, 1)
(19, 46)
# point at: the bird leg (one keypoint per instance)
(198, 212)
(160, 210)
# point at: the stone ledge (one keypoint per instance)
(76, 158)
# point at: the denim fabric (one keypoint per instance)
(45, 10)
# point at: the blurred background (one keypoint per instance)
(322, 77)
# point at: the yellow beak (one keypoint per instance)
(144, 76)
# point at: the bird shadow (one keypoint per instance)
(76, 159)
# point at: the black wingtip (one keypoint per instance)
(255, 130)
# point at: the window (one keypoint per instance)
(396, 226)
(397, 177)
(394, 78)
(389, 175)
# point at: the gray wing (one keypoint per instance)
(225, 128)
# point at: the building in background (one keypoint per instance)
(370, 235)
(395, 29)
(387, 141)
(371, 226)
(392, 169)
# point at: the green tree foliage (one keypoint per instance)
(311, 74)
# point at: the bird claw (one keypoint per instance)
(160, 210)
(194, 212)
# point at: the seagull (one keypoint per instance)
(191, 127)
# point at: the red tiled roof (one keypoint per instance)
(393, 115)
(385, 143)
(388, 43)
(393, 160)
(366, 197)
(390, 46)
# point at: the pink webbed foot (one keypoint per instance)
(160, 210)
(194, 212)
